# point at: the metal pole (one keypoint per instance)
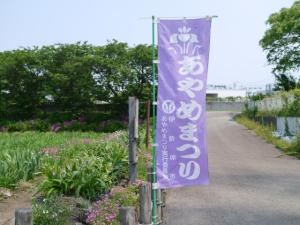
(148, 123)
(154, 218)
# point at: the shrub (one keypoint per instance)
(294, 149)
(50, 211)
(250, 112)
(85, 170)
(31, 125)
(112, 126)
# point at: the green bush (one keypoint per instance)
(129, 197)
(250, 112)
(57, 117)
(50, 212)
(108, 126)
(294, 107)
(79, 126)
(113, 126)
(31, 125)
(85, 170)
(294, 149)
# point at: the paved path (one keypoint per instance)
(250, 183)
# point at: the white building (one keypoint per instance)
(225, 91)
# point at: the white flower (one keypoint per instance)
(184, 36)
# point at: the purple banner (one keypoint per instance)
(183, 50)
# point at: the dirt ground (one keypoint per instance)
(21, 198)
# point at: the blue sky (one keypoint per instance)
(235, 54)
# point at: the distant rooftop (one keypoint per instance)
(236, 90)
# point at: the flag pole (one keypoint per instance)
(154, 82)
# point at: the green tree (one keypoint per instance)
(68, 71)
(21, 79)
(72, 77)
(281, 41)
(141, 72)
(111, 71)
(121, 72)
(284, 82)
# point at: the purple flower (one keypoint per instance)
(68, 123)
(3, 129)
(55, 127)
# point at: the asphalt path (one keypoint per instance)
(251, 183)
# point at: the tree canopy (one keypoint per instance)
(72, 77)
(281, 41)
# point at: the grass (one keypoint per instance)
(266, 133)
(81, 167)
(85, 170)
(21, 153)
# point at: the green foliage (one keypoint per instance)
(294, 149)
(105, 126)
(127, 197)
(112, 126)
(20, 82)
(264, 132)
(281, 42)
(286, 128)
(85, 170)
(285, 82)
(31, 125)
(294, 107)
(17, 166)
(21, 153)
(250, 112)
(71, 78)
(50, 212)
(257, 97)
(290, 108)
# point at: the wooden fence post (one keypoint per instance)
(163, 206)
(149, 174)
(159, 206)
(133, 136)
(23, 216)
(127, 215)
(145, 204)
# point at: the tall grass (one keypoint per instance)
(20, 153)
(288, 148)
(85, 170)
